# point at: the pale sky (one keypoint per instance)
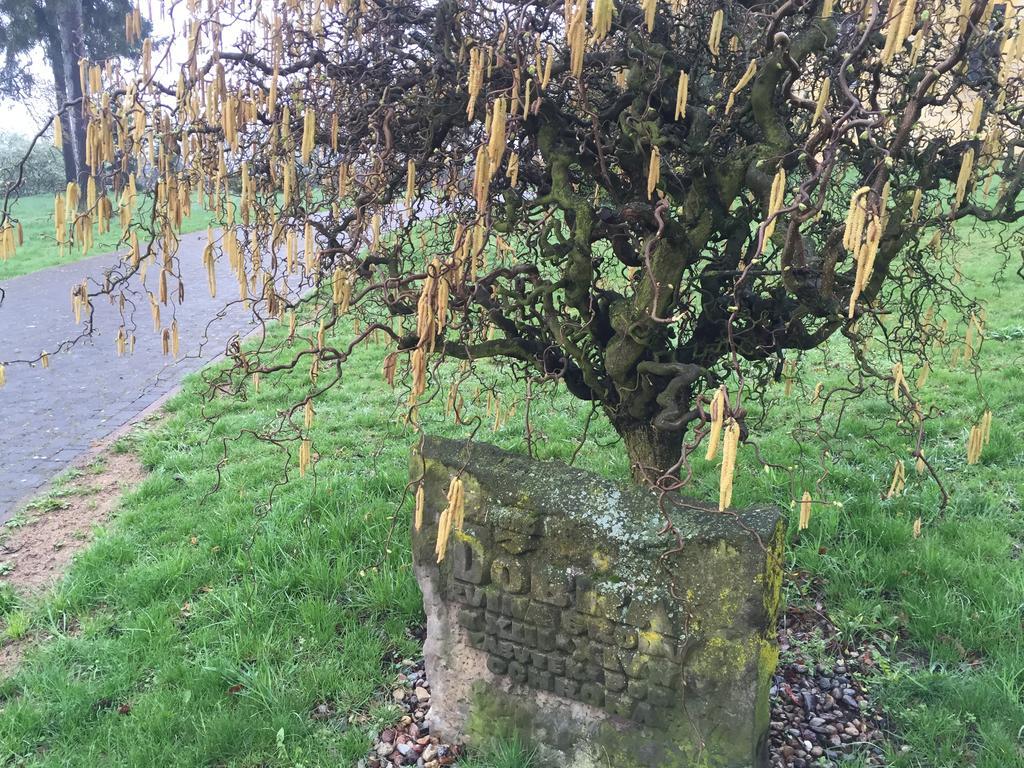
(23, 118)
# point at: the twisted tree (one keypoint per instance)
(657, 204)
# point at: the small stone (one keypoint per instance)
(422, 694)
(810, 701)
(816, 722)
(384, 748)
(398, 694)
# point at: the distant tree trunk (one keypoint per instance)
(46, 22)
(72, 39)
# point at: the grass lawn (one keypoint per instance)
(204, 628)
(39, 251)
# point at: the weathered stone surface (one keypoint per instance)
(559, 614)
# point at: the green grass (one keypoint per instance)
(205, 628)
(39, 250)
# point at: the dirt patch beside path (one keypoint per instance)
(40, 542)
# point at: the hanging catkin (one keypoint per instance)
(730, 447)
(715, 35)
(653, 171)
(822, 102)
(966, 169)
(451, 517)
(602, 22)
(775, 201)
(420, 505)
(717, 420)
(899, 479)
(748, 75)
(805, 511)
(682, 94)
(576, 36)
(650, 11)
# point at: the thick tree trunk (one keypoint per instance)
(652, 453)
(45, 21)
(72, 37)
(68, 146)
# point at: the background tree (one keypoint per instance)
(43, 173)
(65, 31)
(660, 205)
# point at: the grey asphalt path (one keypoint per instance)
(49, 417)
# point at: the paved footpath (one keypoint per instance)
(49, 417)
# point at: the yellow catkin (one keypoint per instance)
(862, 236)
(576, 35)
(650, 12)
(421, 501)
(496, 139)
(899, 382)
(966, 170)
(822, 102)
(717, 420)
(602, 21)
(512, 169)
(653, 171)
(418, 364)
(452, 517)
(715, 35)
(748, 75)
(308, 133)
(893, 25)
(975, 122)
(899, 479)
(974, 445)
(805, 511)
(682, 94)
(915, 206)
(922, 378)
(477, 65)
(826, 9)
(730, 447)
(548, 65)
(789, 374)
(307, 414)
(775, 201)
(917, 527)
(964, 16)
(3, 375)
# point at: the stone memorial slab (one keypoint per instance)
(561, 614)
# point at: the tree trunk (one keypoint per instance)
(68, 145)
(652, 453)
(72, 38)
(53, 46)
